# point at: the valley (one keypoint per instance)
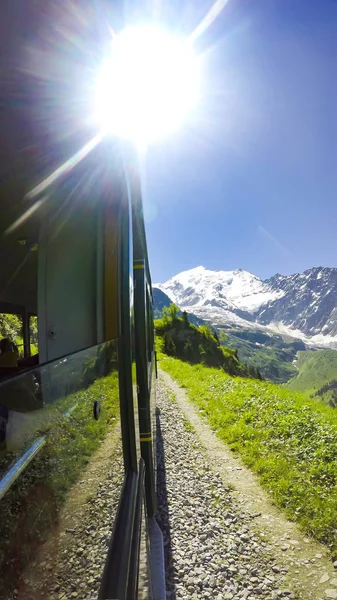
(316, 375)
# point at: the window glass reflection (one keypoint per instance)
(61, 473)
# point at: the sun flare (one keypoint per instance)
(147, 86)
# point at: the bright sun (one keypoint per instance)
(147, 86)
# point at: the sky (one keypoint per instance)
(250, 180)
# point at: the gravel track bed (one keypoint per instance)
(211, 550)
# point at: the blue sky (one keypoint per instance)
(251, 180)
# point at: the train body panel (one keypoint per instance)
(58, 413)
(77, 401)
(75, 469)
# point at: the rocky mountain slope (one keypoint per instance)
(161, 300)
(303, 305)
(272, 353)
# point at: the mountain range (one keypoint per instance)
(301, 306)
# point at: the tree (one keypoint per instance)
(170, 312)
(207, 331)
(11, 328)
(223, 336)
(185, 319)
(166, 315)
(174, 309)
(169, 346)
(33, 330)
(188, 349)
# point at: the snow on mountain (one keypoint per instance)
(233, 290)
(301, 305)
(309, 302)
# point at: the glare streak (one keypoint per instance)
(212, 14)
(25, 215)
(65, 168)
(273, 239)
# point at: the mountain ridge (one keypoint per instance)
(302, 305)
(271, 353)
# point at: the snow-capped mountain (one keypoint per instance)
(301, 305)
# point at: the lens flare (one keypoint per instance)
(147, 86)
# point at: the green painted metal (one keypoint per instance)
(125, 349)
(143, 350)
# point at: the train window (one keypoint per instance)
(61, 472)
(18, 281)
(33, 335)
(11, 339)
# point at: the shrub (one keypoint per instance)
(198, 344)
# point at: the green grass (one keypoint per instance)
(183, 340)
(289, 441)
(187, 424)
(315, 370)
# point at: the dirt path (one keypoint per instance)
(306, 563)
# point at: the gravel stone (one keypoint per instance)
(210, 550)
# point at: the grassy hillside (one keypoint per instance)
(271, 354)
(290, 442)
(182, 339)
(317, 374)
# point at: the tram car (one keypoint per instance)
(77, 357)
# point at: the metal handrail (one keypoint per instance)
(20, 465)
